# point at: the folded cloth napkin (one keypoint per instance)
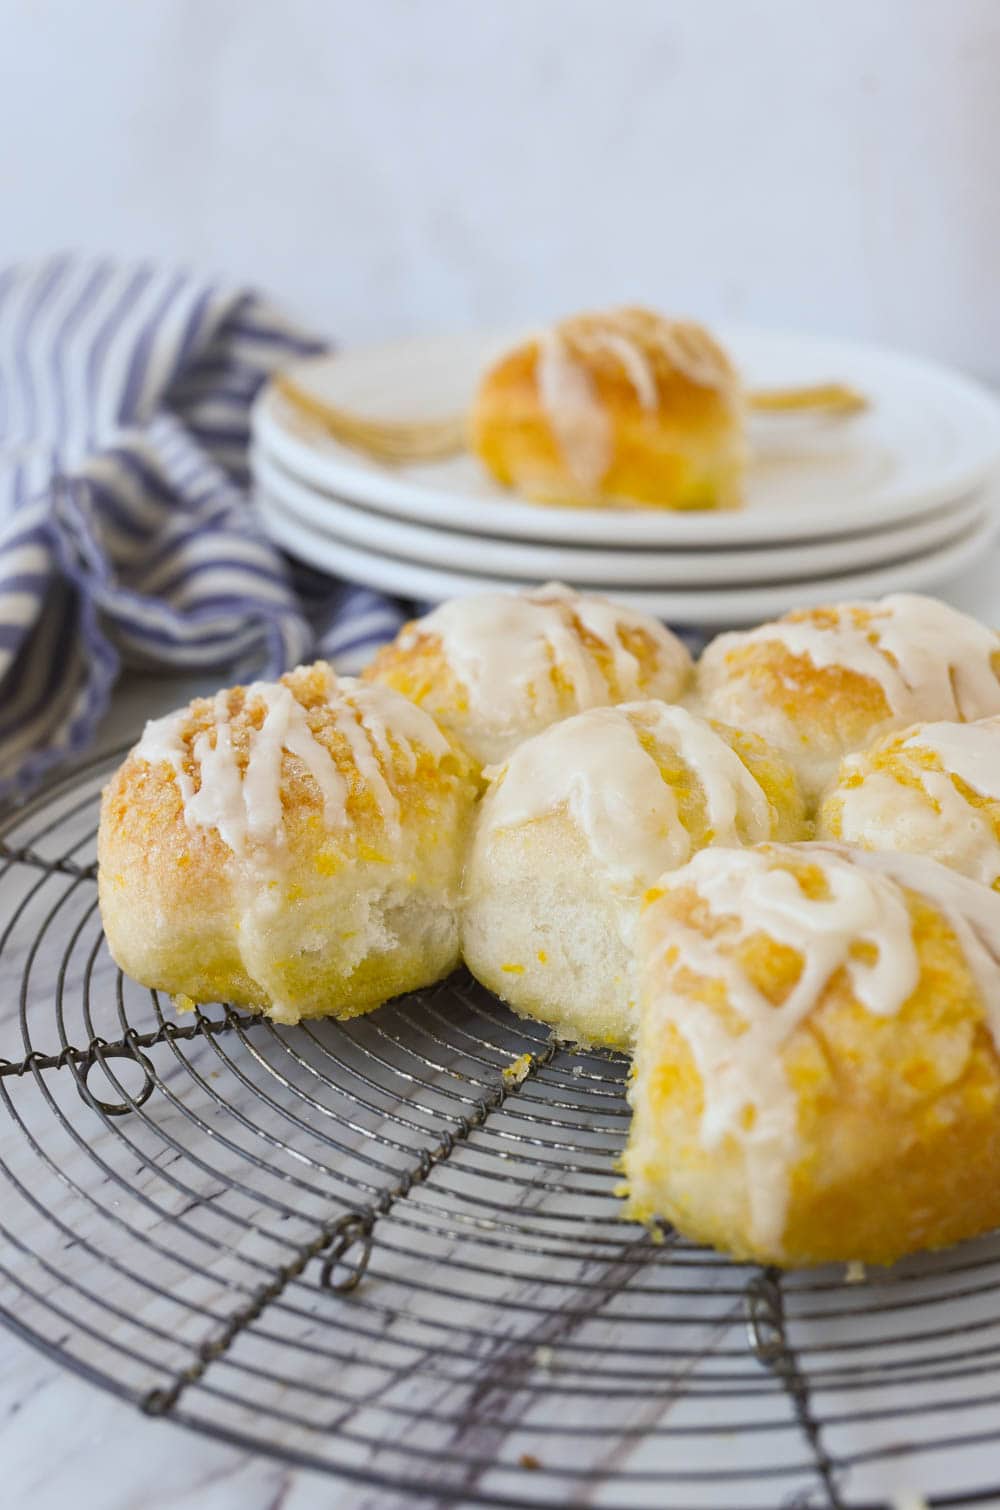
(126, 535)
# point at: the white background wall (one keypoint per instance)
(397, 165)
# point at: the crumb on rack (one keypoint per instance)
(518, 1071)
(183, 1003)
(528, 1460)
(908, 1499)
(855, 1273)
(543, 1359)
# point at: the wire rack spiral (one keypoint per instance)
(391, 1250)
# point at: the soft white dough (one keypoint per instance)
(545, 932)
(575, 828)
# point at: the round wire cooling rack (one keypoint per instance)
(391, 1250)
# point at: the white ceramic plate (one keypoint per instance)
(931, 436)
(722, 605)
(603, 565)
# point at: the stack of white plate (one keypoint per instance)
(898, 498)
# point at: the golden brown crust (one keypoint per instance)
(903, 793)
(144, 800)
(489, 721)
(844, 704)
(415, 664)
(898, 1115)
(303, 923)
(818, 705)
(683, 451)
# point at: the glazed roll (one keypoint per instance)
(292, 847)
(933, 789)
(497, 668)
(574, 828)
(822, 683)
(816, 1076)
(622, 408)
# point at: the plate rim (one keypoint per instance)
(797, 560)
(697, 607)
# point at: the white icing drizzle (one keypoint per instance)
(738, 810)
(604, 621)
(691, 350)
(882, 811)
(384, 711)
(972, 912)
(245, 805)
(970, 751)
(162, 743)
(865, 905)
(286, 727)
(885, 813)
(503, 647)
(930, 660)
(572, 405)
(635, 364)
(596, 767)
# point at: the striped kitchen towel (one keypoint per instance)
(125, 531)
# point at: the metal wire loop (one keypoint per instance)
(100, 1053)
(353, 1230)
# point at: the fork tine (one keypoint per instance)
(400, 440)
(834, 398)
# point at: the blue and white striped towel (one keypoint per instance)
(125, 531)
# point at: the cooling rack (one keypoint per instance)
(390, 1250)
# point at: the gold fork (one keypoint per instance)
(399, 441)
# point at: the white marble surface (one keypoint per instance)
(64, 1442)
